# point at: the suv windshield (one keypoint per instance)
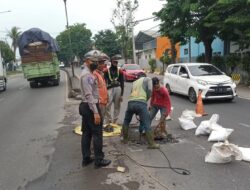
(132, 67)
(204, 70)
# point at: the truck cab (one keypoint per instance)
(3, 75)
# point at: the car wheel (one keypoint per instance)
(4, 85)
(192, 95)
(169, 89)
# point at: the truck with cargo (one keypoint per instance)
(3, 75)
(38, 57)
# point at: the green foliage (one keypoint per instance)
(200, 58)
(231, 61)
(182, 19)
(175, 19)
(6, 52)
(219, 62)
(166, 60)
(232, 20)
(152, 64)
(175, 23)
(107, 41)
(80, 42)
(14, 34)
(246, 62)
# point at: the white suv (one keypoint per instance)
(189, 78)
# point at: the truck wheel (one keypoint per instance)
(56, 82)
(33, 84)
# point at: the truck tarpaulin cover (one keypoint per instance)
(36, 35)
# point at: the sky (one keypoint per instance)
(49, 15)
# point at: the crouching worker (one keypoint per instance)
(160, 101)
(137, 104)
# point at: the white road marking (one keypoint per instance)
(244, 125)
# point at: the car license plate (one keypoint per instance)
(220, 90)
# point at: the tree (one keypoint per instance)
(232, 20)
(123, 21)
(165, 59)
(107, 41)
(14, 34)
(6, 52)
(152, 64)
(80, 42)
(203, 32)
(185, 18)
(175, 19)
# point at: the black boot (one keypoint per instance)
(87, 161)
(102, 163)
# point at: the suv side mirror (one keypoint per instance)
(184, 75)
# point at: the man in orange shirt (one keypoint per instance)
(102, 87)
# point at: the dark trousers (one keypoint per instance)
(140, 109)
(90, 130)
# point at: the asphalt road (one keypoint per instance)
(28, 122)
(27, 146)
(189, 153)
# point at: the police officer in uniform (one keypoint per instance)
(90, 112)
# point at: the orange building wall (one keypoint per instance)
(163, 43)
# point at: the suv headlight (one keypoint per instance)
(202, 82)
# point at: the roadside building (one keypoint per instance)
(198, 49)
(151, 45)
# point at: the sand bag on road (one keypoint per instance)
(219, 134)
(187, 124)
(186, 120)
(245, 153)
(205, 127)
(189, 114)
(223, 153)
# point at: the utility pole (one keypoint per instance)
(133, 23)
(189, 50)
(70, 46)
(133, 41)
(5, 11)
(132, 33)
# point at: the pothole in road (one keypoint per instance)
(137, 138)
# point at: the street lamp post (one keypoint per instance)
(70, 46)
(134, 23)
(5, 11)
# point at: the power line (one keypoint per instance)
(151, 28)
(141, 20)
